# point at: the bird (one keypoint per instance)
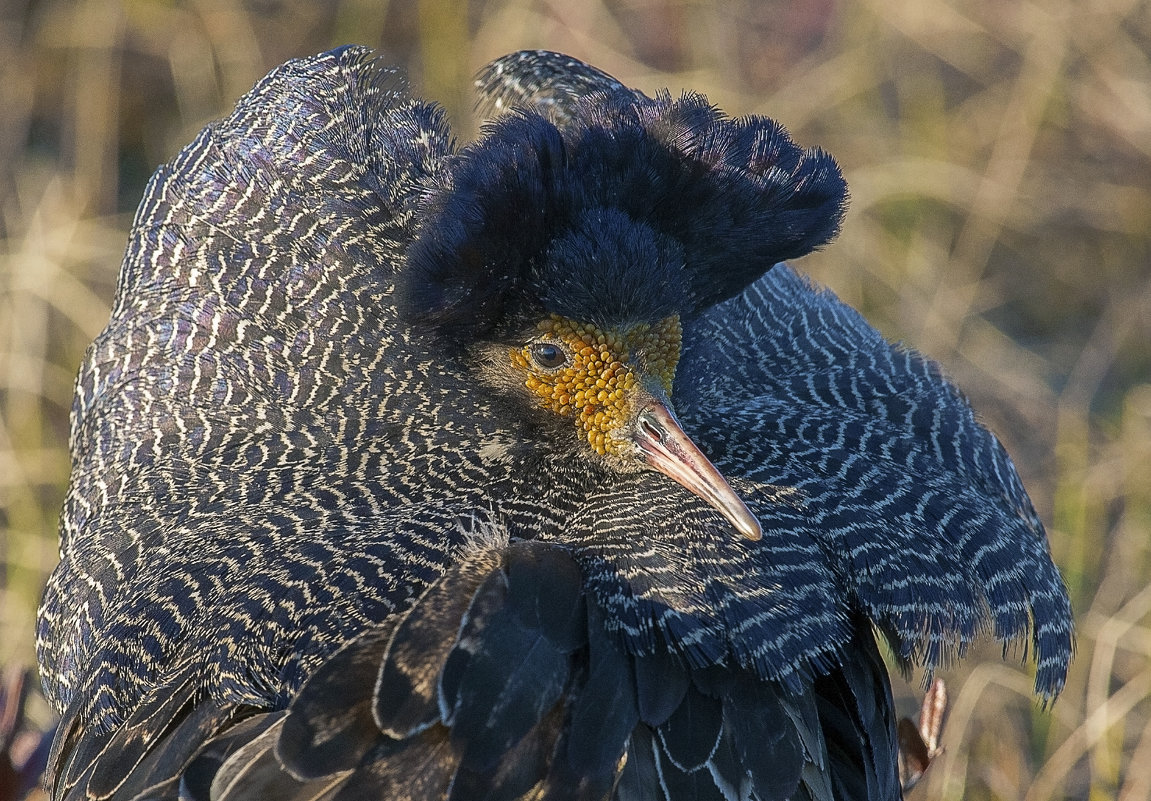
(518, 468)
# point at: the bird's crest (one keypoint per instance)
(668, 193)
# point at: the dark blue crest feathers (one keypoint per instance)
(721, 199)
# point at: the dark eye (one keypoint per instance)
(548, 356)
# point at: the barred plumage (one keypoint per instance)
(320, 540)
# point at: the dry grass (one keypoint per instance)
(999, 155)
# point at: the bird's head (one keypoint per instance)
(604, 354)
(567, 258)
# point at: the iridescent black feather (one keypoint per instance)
(311, 550)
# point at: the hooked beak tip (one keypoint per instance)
(753, 532)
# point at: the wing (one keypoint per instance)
(235, 459)
(915, 507)
(502, 682)
(551, 84)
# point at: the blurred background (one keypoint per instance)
(999, 158)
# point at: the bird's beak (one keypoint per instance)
(669, 450)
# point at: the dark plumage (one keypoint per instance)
(378, 491)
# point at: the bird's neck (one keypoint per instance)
(535, 489)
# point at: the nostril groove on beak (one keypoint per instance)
(651, 429)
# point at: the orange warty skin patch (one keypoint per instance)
(597, 384)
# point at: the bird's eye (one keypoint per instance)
(548, 355)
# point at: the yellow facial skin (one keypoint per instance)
(601, 373)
